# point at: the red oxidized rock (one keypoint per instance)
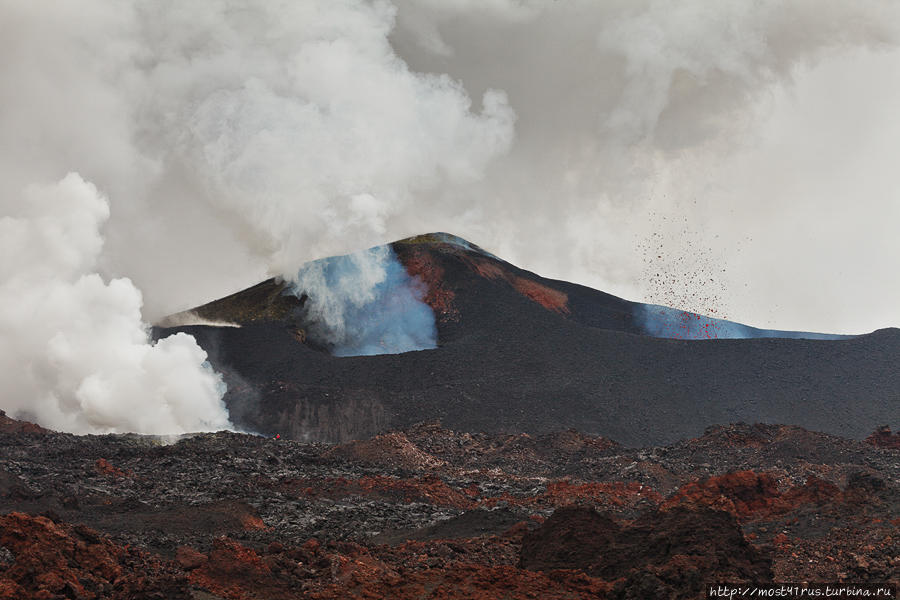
(740, 493)
(236, 572)
(189, 559)
(8, 425)
(421, 264)
(750, 495)
(58, 560)
(883, 438)
(104, 467)
(549, 298)
(814, 491)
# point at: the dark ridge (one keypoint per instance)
(520, 353)
(266, 301)
(674, 545)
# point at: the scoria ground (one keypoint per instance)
(427, 512)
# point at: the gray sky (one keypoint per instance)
(740, 163)
(736, 159)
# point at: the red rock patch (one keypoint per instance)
(54, 560)
(883, 438)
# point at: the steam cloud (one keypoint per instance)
(76, 355)
(366, 304)
(243, 138)
(764, 127)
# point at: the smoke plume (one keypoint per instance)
(763, 128)
(76, 355)
(365, 303)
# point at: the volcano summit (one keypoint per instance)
(515, 352)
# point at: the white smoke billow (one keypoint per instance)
(366, 303)
(626, 109)
(293, 128)
(240, 138)
(327, 138)
(76, 355)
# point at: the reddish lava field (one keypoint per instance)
(431, 513)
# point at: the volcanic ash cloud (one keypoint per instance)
(75, 352)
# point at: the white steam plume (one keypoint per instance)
(326, 138)
(75, 354)
(293, 128)
(253, 136)
(366, 303)
(643, 117)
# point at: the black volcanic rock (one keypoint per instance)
(228, 515)
(574, 537)
(517, 352)
(672, 553)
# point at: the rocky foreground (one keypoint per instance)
(432, 513)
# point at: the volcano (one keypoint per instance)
(544, 477)
(517, 352)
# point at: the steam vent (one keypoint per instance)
(505, 350)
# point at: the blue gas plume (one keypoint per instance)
(666, 322)
(365, 303)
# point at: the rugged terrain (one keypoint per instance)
(521, 353)
(549, 447)
(428, 512)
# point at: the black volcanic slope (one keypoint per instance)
(520, 353)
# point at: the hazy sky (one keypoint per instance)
(737, 161)
(729, 158)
